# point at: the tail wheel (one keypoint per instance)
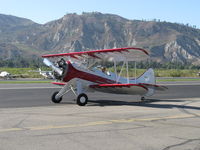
(143, 99)
(54, 99)
(82, 99)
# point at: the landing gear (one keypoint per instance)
(56, 99)
(143, 99)
(82, 99)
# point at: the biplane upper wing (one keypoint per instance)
(118, 54)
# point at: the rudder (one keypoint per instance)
(148, 77)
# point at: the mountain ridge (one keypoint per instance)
(167, 42)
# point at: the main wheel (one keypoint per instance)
(53, 98)
(82, 99)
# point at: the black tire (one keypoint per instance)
(143, 99)
(53, 98)
(82, 99)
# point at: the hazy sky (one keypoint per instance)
(42, 11)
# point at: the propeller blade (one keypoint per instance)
(50, 64)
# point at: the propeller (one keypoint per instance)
(50, 64)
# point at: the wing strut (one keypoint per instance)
(135, 73)
(115, 66)
(118, 76)
(127, 73)
(120, 72)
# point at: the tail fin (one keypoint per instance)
(148, 78)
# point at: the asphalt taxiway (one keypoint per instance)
(169, 120)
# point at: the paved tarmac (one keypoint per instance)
(32, 95)
(167, 121)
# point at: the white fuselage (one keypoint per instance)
(96, 76)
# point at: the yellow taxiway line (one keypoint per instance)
(96, 123)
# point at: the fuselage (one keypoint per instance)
(94, 75)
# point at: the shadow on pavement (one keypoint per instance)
(148, 103)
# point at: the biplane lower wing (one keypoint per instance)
(133, 89)
(71, 82)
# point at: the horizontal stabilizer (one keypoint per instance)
(156, 87)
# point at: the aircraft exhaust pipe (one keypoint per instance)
(50, 64)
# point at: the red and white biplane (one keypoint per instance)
(78, 72)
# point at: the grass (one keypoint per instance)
(174, 80)
(22, 82)
(25, 73)
(176, 73)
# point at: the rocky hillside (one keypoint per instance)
(165, 41)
